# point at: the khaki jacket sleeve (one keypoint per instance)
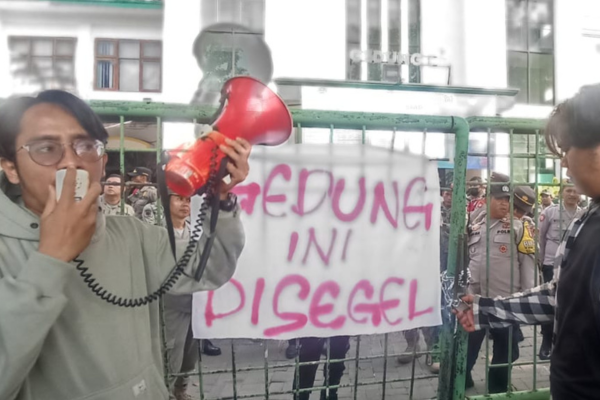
(222, 262)
(30, 304)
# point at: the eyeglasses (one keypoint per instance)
(50, 152)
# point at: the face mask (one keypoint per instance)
(473, 192)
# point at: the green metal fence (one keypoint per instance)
(265, 374)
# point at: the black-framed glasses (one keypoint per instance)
(112, 183)
(49, 152)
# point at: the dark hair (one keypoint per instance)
(575, 122)
(11, 114)
(114, 176)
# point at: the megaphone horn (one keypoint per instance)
(250, 110)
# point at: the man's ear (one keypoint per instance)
(10, 169)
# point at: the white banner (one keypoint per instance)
(340, 240)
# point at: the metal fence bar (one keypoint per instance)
(356, 367)
(266, 366)
(451, 384)
(233, 370)
(524, 127)
(512, 253)
(453, 344)
(536, 255)
(487, 259)
(541, 394)
(122, 160)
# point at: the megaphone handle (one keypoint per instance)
(213, 197)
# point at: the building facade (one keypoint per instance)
(334, 54)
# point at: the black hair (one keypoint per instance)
(12, 111)
(575, 122)
(115, 176)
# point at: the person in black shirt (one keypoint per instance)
(572, 299)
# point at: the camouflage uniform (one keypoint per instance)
(141, 197)
(149, 214)
(109, 209)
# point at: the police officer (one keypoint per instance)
(523, 203)
(554, 221)
(547, 198)
(110, 201)
(141, 195)
(510, 257)
(475, 194)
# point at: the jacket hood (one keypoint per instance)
(17, 222)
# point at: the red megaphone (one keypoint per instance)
(250, 110)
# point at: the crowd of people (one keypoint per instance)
(498, 265)
(139, 198)
(63, 338)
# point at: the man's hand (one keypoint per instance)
(466, 318)
(67, 226)
(238, 151)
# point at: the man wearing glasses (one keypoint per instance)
(60, 339)
(110, 201)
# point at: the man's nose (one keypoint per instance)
(70, 159)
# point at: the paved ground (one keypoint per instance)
(251, 354)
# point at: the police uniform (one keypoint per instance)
(110, 209)
(140, 197)
(509, 257)
(554, 221)
(524, 200)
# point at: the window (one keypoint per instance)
(128, 65)
(45, 62)
(353, 34)
(249, 13)
(376, 52)
(530, 37)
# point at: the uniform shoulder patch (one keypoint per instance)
(527, 243)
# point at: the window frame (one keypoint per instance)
(212, 15)
(115, 60)
(54, 56)
(413, 29)
(528, 52)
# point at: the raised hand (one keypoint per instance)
(67, 226)
(238, 151)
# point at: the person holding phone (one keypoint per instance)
(58, 339)
(572, 298)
